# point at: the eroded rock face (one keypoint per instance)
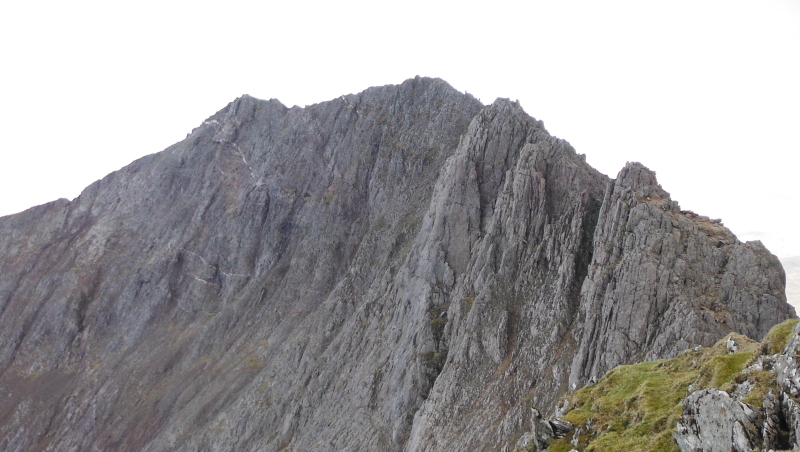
(663, 279)
(401, 269)
(714, 421)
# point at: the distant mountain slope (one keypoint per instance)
(400, 269)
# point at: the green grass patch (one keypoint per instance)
(636, 407)
(779, 336)
(764, 381)
(562, 446)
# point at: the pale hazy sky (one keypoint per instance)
(706, 93)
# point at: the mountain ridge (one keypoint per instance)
(399, 269)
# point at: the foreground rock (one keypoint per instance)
(401, 269)
(714, 421)
(721, 398)
(717, 421)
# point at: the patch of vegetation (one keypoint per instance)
(778, 337)
(438, 320)
(434, 363)
(329, 195)
(434, 359)
(380, 223)
(254, 361)
(469, 300)
(562, 446)
(636, 407)
(763, 381)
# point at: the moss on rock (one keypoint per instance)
(636, 407)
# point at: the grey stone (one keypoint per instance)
(713, 421)
(731, 345)
(791, 413)
(278, 280)
(561, 427)
(775, 430)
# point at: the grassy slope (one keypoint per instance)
(636, 407)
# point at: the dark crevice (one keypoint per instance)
(584, 258)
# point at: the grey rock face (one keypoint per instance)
(401, 269)
(663, 280)
(542, 431)
(791, 413)
(787, 374)
(714, 421)
(787, 378)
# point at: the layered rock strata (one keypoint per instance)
(401, 269)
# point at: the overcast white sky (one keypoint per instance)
(706, 93)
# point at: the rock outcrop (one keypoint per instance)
(663, 280)
(715, 420)
(543, 431)
(401, 269)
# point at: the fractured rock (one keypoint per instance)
(713, 421)
(279, 279)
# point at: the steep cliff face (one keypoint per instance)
(401, 269)
(663, 279)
